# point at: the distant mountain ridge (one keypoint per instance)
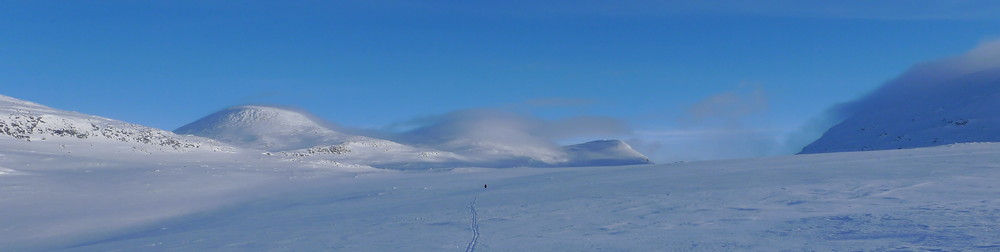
(281, 134)
(296, 134)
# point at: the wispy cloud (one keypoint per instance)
(455, 131)
(727, 107)
(706, 144)
(715, 127)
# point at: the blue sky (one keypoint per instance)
(701, 80)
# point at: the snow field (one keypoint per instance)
(922, 199)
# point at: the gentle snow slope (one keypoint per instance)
(942, 198)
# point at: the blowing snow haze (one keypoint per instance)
(953, 100)
(491, 132)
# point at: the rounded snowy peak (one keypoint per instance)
(263, 127)
(254, 117)
(605, 152)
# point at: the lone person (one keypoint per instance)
(484, 186)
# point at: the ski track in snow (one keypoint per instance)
(475, 225)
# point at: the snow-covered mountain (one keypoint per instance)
(945, 101)
(32, 122)
(261, 132)
(930, 105)
(297, 135)
(604, 152)
(265, 128)
(945, 116)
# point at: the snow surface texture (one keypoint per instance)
(941, 198)
(297, 135)
(29, 121)
(955, 100)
